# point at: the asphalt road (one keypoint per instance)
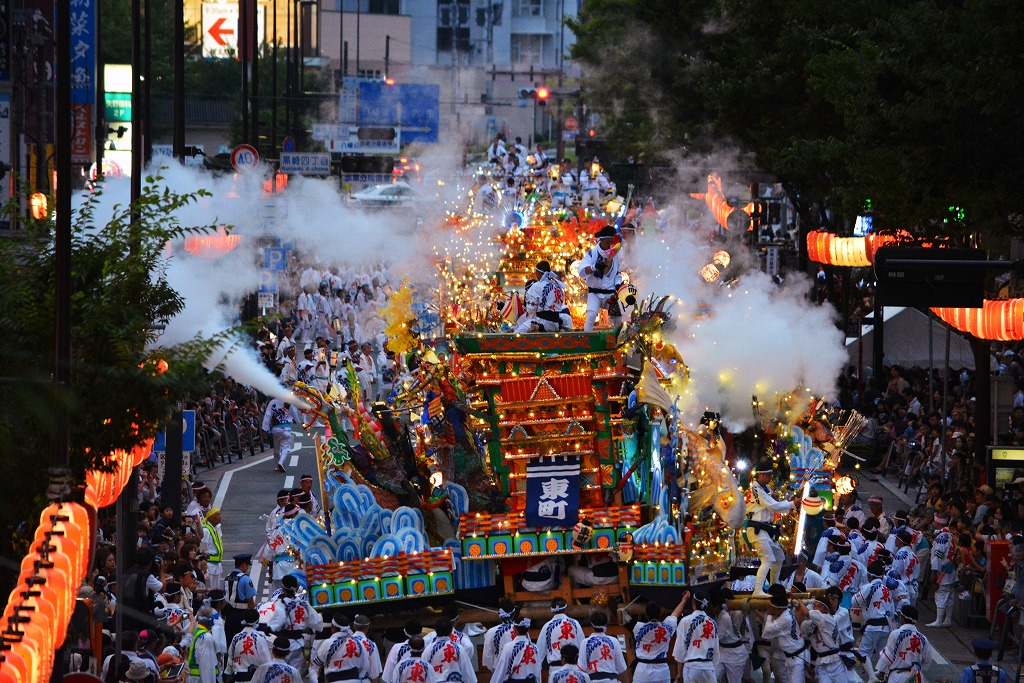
(246, 490)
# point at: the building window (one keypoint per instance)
(392, 7)
(527, 49)
(453, 25)
(527, 8)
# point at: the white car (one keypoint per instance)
(389, 194)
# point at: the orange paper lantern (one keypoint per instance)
(103, 488)
(213, 245)
(1001, 320)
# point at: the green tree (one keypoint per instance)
(117, 397)
(907, 103)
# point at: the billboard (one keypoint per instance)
(412, 107)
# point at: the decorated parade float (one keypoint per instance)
(502, 456)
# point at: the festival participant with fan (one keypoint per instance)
(762, 532)
(600, 268)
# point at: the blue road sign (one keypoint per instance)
(268, 282)
(275, 258)
(188, 434)
(419, 106)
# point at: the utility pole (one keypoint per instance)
(147, 78)
(100, 103)
(255, 41)
(243, 54)
(39, 42)
(273, 87)
(387, 56)
(178, 134)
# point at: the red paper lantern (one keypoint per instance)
(103, 488)
(1001, 320)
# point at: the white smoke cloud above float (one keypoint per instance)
(311, 212)
(756, 338)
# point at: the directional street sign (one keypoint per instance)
(220, 28)
(305, 163)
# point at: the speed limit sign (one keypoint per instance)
(244, 156)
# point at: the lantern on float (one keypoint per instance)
(710, 272)
(812, 503)
(721, 259)
(844, 484)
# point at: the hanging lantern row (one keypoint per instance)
(213, 245)
(103, 488)
(35, 620)
(833, 250)
(995, 320)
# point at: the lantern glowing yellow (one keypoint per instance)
(844, 485)
(721, 259)
(710, 272)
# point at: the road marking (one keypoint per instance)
(296, 446)
(254, 575)
(225, 481)
(289, 481)
(939, 659)
(294, 462)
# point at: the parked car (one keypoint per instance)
(388, 194)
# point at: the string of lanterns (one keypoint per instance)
(35, 620)
(996, 320)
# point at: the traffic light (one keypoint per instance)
(539, 94)
(383, 133)
(351, 163)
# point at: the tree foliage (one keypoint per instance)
(909, 104)
(117, 396)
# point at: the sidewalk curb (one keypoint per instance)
(895, 490)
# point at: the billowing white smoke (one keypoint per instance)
(759, 339)
(311, 213)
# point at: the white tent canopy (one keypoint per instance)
(906, 342)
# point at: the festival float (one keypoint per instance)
(502, 451)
